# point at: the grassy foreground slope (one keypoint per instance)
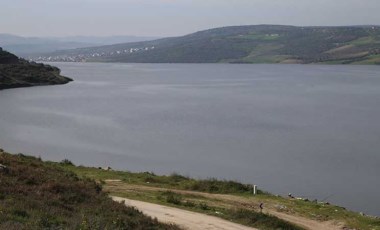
(245, 44)
(37, 195)
(226, 199)
(15, 72)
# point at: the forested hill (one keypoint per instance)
(244, 44)
(15, 72)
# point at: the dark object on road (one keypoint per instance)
(261, 207)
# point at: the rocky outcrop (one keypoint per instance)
(15, 72)
(7, 58)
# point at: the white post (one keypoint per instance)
(254, 189)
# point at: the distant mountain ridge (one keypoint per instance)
(243, 44)
(24, 46)
(15, 72)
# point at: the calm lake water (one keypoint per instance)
(307, 129)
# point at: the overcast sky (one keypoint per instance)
(173, 17)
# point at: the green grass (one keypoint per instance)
(173, 181)
(371, 60)
(260, 220)
(324, 212)
(267, 59)
(370, 40)
(308, 209)
(37, 195)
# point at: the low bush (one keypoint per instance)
(172, 198)
(67, 162)
(261, 220)
(220, 186)
(204, 206)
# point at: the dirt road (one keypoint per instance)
(182, 218)
(307, 223)
(119, 186)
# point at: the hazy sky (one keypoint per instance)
(173, 17)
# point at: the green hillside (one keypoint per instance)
(15, 72)
(245, 44)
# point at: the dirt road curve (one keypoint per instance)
(182, 218)
(308, 224)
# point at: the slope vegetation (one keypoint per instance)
(244, 44)
(37, 195)
(229, 200)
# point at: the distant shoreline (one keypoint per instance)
(241, 44)
(218, 63)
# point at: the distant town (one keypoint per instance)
(84, 57)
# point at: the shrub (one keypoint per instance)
(204, 206)
(67, 162)
(261, 220)
(173, 198)
(189, 204)
(217, 186)
(177, 177)
(151, 179)
(21, 213)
